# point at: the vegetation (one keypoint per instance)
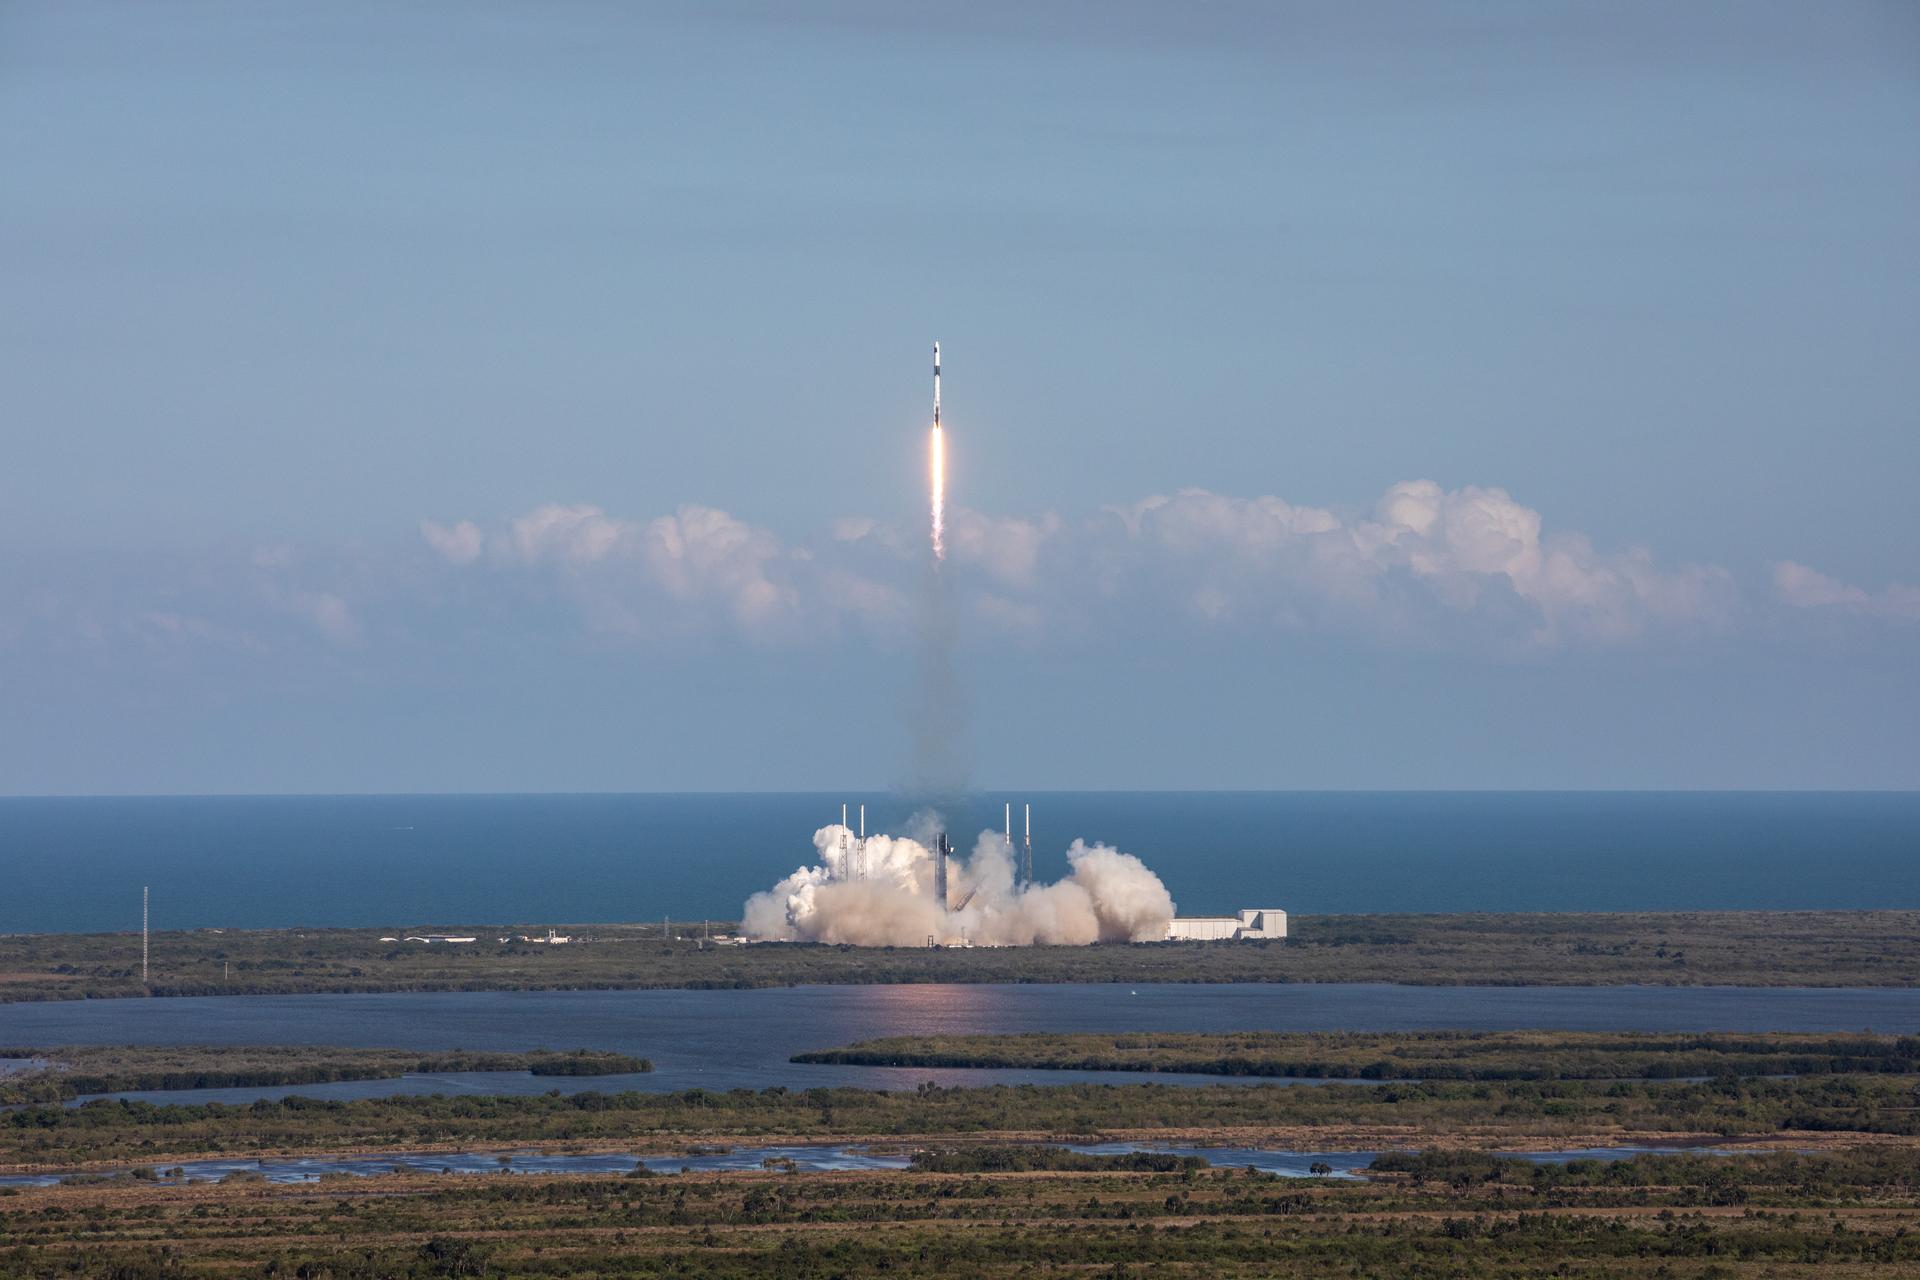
(992, 1194)
(1824, 1176)
(1420, 1055)
(72, 1071)
(1801, 948)
(1524, 1114)
(1847, 1216)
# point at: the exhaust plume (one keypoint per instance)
(1107, 896)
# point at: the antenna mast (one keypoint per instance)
(846, 853)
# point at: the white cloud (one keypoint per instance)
(1464, 569)
(704, 553)
(576, 535)
(675, 574)
(1007, 548)
(1471, 564)
(1463, 549)
(460, 543)
(326, 612)
(1804, 588)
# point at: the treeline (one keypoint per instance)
(78, 1070)
(585, 1062)
(1519, 1111)
(1718, 1178)
(1433, 1055)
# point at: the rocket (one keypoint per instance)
(937, 469)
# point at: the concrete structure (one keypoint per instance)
(1251, 922)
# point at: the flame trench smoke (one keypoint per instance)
(1107, 896)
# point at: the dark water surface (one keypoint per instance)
(255, 862)
(742, 1039)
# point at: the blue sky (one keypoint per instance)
(532, 396)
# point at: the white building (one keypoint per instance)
(1252, 922)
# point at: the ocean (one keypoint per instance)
(77, 864)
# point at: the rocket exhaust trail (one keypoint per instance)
(937, 720)
(937, 468)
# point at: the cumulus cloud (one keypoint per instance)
(673, 573)
(1006, 548)
(460, 543)
(576, 535)
(1422, 564)
(704, 552)
(1465, 569)
(1422, 548)
(1800, 587)
(326, 612)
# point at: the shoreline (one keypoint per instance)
(1826, 950)
(1301, 1138)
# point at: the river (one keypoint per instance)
(742, 1039)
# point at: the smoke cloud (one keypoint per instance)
(1107, 896)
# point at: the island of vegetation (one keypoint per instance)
(1447, 1215)
(1401, 1055)
(1826, 1182)
(72, 1071)
(1799, 948)
(1534, 1105)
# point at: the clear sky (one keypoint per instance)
(501, 397)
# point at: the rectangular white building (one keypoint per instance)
(1251, 922)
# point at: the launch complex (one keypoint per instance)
(853, 868)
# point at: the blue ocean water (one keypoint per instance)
(69, 864)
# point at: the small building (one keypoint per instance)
(1251, 922)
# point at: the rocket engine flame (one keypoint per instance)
(937, 468)
(937, 483)
(886, 899)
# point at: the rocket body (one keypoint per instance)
(936, 384)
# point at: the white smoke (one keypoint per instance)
(1108, 896)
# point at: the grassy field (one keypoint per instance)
(1813, 948)
(69, 1071)
(1419, 1055)
(1841, 1216)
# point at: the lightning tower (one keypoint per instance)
(1026, 856)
